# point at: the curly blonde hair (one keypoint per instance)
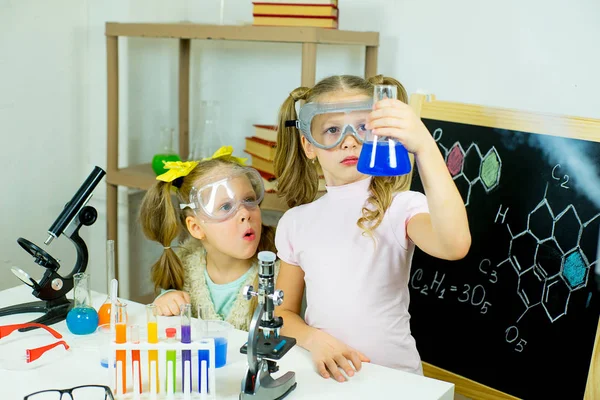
(297, 176)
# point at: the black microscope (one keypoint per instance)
(264, 349)
(52, 288)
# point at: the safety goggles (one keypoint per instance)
(12, 357)
(326, 125)
(219, 198)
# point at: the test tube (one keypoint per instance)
(203, 354)
(152, 325)
(381, 92)
(121, 337)
(186, 355)
(136, 368)
(171, 361)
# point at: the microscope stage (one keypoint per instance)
(271, 349)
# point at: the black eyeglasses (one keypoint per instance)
(84, 392)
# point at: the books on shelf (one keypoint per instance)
(285, 20)
(265, 149)
(262, 154)
(266, 132)
(307, 13)
(261, 164)
(313, 10)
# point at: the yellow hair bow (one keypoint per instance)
(177, 169)
(226, 153)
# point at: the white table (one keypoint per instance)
(82, 366)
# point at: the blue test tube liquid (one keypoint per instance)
(203, 355)
(186, 337)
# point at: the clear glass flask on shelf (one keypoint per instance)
(166, 153)
(205, 137)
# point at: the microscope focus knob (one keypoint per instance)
(248, 292)
(277, 297)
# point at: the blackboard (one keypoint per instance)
(520, 312)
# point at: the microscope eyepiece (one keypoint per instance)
(266, 263)
(74, 206)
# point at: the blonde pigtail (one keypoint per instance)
(297, 178)
(161, 224)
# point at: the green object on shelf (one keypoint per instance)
(167, 137)
(157, 162)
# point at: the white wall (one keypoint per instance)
(43, 121)
(531, 55)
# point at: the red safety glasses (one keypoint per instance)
(35, 353)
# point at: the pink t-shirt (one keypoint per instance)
(355, 291)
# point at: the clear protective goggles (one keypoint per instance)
(220, 197)
(326, 125)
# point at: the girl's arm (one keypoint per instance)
(291, 281)
(444, 232)
(329, 354)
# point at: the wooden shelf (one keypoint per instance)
(142, 176)
(136, 177)
(248, 33)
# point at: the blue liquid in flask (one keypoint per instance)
(382, 165)
(82, 320)
(220, 353)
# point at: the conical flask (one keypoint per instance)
(166, 153)
(82, 319)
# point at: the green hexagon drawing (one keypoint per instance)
(490, 170)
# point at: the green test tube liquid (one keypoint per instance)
(172, 358)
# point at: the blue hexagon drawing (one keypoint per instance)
(575, 269)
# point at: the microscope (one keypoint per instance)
(52, 288)
(264, 349)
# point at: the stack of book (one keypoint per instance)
(310, 13)
(262, 147)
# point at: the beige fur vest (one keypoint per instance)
(193, 257)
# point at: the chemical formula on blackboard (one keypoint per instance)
(529, 286)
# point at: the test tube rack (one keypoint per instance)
(203, 384)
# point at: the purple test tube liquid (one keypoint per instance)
(186, 355)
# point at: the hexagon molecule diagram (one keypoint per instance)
(469, 167)
(548, 259)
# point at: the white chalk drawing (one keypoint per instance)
(548, 259)
(470, 167)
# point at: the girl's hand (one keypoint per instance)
(168, 303)
(393, 118)
(330, 355)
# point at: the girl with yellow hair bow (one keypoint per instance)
(217, 212)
